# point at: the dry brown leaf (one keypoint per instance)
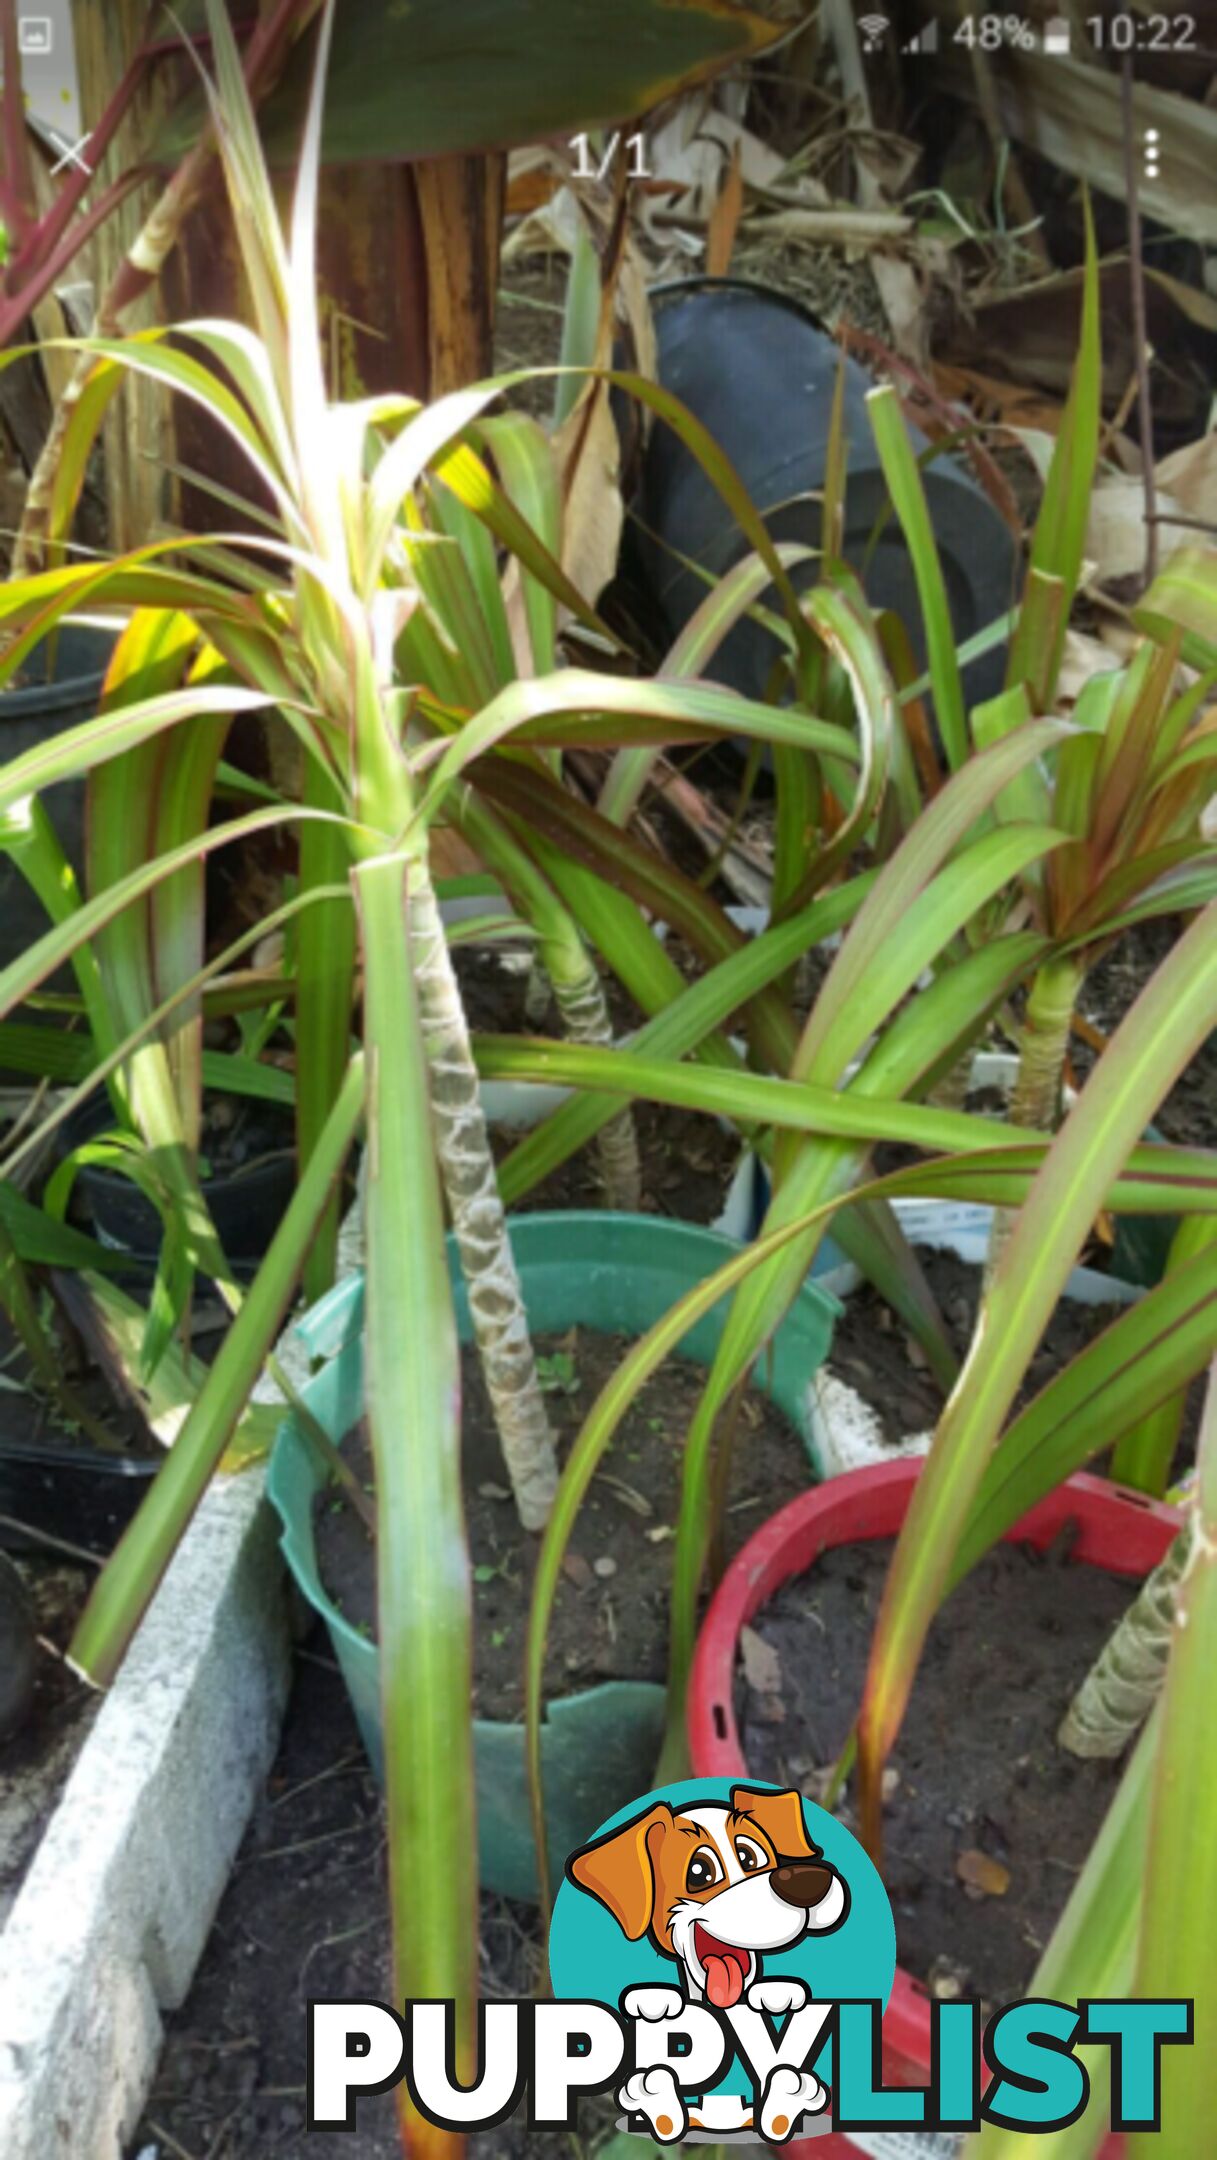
(529, 190)
(689, 154)
(837, 227)
(589, 454)
(1084, 656)
(981, 1874)
(1069, 110)
(724, 219)
(1115, 529)
(762, 1665)
(634, 310)
(760, 165)
(1010, 404)
(628, 1495)
(1031, 336)
(552, 226)
(903, 297)
(1190, 476)
(1199, 307)
(769, 1710)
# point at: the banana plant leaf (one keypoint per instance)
(441, 76)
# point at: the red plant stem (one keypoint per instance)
(138, 272)
(50, 229)
(18, 305)
(42, 246)
(52, 242)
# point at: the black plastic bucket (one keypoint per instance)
(756, 370)
(18, 1650)
(78, 1494)
(247, 1203)
(46, 705)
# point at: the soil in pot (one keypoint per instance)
(237, 1131)
(610, 1618)
(59, 1501)
(306, 1914)
(873, 1351)
(875, 1354)
(687, 1165)
(988, 1821)
(1188, 1116)
(687, 1161)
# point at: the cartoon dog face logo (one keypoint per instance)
(715, 1887)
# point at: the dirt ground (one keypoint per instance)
(305, 1914)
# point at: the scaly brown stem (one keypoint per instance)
(1123, 1684)
(496, 1301)
(1036, 1098)
(585, 1015)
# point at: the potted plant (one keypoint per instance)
(994, 1161)
(1026, 1491)
(966, 1496)
(246, 1162)
(312, 637)
(1109, 1529)
(892, 940)
(580, 1272)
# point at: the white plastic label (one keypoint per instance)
(964, 1225)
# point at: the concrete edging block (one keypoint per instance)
(112, 1917)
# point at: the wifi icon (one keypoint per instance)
(874, 28)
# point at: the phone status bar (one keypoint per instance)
(1059, 37)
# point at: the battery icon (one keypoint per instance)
(1057, 34)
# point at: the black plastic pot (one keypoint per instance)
(61, 687)
(753, 367)
(18, 1650)
(247, 1203)
(78, 1494)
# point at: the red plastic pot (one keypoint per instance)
(1114, 1528)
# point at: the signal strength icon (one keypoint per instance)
(926, 40)
(874, 29)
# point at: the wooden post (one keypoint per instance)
(460, 201)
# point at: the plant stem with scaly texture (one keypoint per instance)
(564, 964)
(1125, 1680)
(496, 1301)
(585, 1016)
(1036, 1097)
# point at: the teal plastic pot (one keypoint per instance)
(616, 1273)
